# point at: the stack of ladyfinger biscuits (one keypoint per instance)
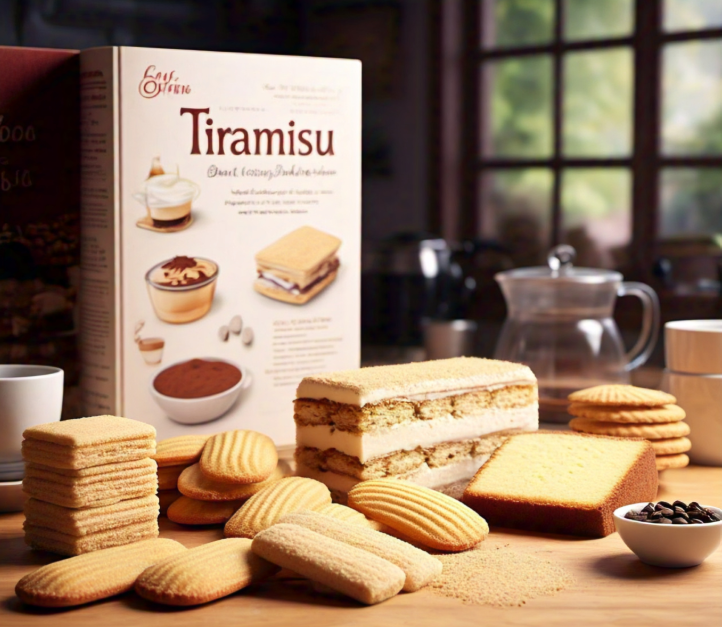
(92, 484)
(631, 412)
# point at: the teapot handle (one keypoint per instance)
(650, 322)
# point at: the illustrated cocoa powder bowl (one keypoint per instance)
(199, 390)
(181, 289)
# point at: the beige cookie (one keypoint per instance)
(648, 431)
(671, 446)
(341, 512)
(239, 457)
(423, 515)
(187, 511)
(207, 572)
(634, 415)
(93, 576)
(168, 477)
(419, 567)
(166, 497)
(285, 296)
(266, 508)
(344, 568)
(665, 462)
(195, 485)
(182, 450)
(77, 458)
(615, 394)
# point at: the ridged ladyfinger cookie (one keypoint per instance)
(182, 450)
(195, 485)
(93, 576)
(239, 457)
(185, 511)
(168, 477)
(262, 510)
(425, 516)
(419, 567)
(347, 569)
(207, 572)
(347, 514)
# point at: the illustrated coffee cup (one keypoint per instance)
(152, 349)
(181, 289)
(168, 199)
(29, 395)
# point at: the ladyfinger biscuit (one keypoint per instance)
(187, 511)
(71, 457)
(63, 544)
(635, 415)
(615, 394)
(425, 516)
(81, 522)
(92, 431)
(182, 450)
(195, 485)
(671, 446)
(166, 498)
(239, 457)
(94, 576)
(347, 569)
(665, 462)
(268, 506)
(419, 567)
(205, 573)
(647, 431)
(168, 477)
(115, 472)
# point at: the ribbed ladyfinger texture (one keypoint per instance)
(195, 485)
(185, 511)
(239, 457)
(419, 567)
(347, 569)
(423, 515)
(615, 394)
(635, 415)
(208, 572)
(93, 576)
(266, 508)
(182, 450)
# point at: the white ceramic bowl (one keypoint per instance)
(671, 546)
(193, 411)
(694, 346)
(701, 398)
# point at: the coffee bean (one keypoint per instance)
(632, 515)
(714, 515)
(648, 508)
(696, 521)
(664, 521)
(667, 512)
(681, 504)
(677, 513)
(679, 510)
(664, 504)
(694, 505)
(656, 516)
(679, 521)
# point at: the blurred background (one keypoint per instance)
(493, 130)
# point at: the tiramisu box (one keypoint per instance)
(221, 210)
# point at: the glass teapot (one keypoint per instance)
(560, 324)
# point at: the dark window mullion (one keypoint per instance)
(558, 87)
(560, 46)
(562, 162)
(690, 35)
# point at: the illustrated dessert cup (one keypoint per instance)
(152, 349)
(432, 422)
(298, 266)
(181, 289)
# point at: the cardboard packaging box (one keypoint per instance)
(221, 226)
(39, 212)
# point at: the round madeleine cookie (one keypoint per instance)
(187, 511)
(195, 485)
(182, 450)
(239, 456)
(616, 394)
(671, 446)
(648, 431)
(671, 461)
(634, 415)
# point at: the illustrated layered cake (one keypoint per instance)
(432, 423)
(298, 266)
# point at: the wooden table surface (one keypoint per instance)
(612, 586)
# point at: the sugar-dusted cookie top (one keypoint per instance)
(302, 249)
(91, 431)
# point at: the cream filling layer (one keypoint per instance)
(424, 475)
(410, 435)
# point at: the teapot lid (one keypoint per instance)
(560, 268)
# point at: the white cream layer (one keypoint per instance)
(409, 435)
(424, 475)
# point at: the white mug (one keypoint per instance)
(29, 395)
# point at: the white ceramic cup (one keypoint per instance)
(694, 346)
(29, 395)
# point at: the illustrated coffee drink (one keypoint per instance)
(197, 378)
(152, 349)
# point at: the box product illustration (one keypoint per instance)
(221, 234)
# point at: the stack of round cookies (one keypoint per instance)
(630, 412)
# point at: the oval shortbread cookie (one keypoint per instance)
(347, 514)
(195, 485)
(665, 462)
(93, 576)
(168, 477)
(203, 574)
(187, 511)
(648, 431)
(616, 394)
(423, 515)
(671, 446)
(347, 569)
(239, 457)
(634, 415)
(182, 450)
(268, 506)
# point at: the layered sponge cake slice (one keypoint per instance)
(432, 422)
